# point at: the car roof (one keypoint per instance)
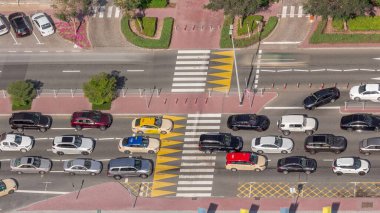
(245, 117)
(64, 139)
(86, 113)
(24, 115)
(238, 156)
(267, 140)
(118, 162)
(41, 17)
(292, 119)
(372, 87)
(346, 161)
(373, 141)
(147, 121)
(136, 140)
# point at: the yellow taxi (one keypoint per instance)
(7, 186)
(152, 125)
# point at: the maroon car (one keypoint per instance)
(91, 119)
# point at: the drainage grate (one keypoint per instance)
(367, 205)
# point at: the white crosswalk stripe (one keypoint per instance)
(291, 11)
(106, 12)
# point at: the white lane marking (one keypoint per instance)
(194, 51)
(42, 192)
(135, 70)
(204, 115)
(192, 62)
(193, 195)
(371, 70)
(198, 164)
(188, 90)
(334, 70)
(318, 70)
(288, 70)
(70, 70)
(105, 139)
(101, 11)
(202, 127)
(195, 145)
(195, 151)
(299, 70)
(195, 182)
(43, 51)
(292, 9)
(190, 73)
(190, 79)
(193, 57)
(194, 188)
(284, 10)
(348, 70)
(375, 79)
(188, 84)
(117, 12)
(195, 176)
(5, 159)
(281, 42)
(194, 133)
(59, 51)
(330, 107)
(300, 11)
(277, 59)
(196, 170)
(203, 121)
(328, 160)
(38, 139)
(60, 128)
(198, 157)
(57, 171)
(191, 139)
(12, 51)
(109, 12)
(28, 51)
(268, 70)
(192, 68)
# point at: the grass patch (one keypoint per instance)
(149, 25)
(249, 23)
(105, 106)
(225, 40)
(26, 107)
(157, 3)
(319, 37)
(337, 24)
(162, 43)
(363, 23)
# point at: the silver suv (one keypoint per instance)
(369, 145)
(297, 123)
(132, 166)
(73, 144)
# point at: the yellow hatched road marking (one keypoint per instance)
(159, 184)
(221, 89)
(177, 126)
(170, 135)
(224, 60)
(225, 82)
(156, 193)
(166, 151)
(224, 53)
(174, 118)
(222, 74)
(165, 159)
(223, 67)
(162, 176)
(162, 167)
(165, 143)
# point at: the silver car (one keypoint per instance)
(30, 165)
(272, 144)
(73, 144)
(81, 166)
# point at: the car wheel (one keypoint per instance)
(127, 152)
(361, 173)
(102, 128)
(78, 128)
(151, 152)
(85, 153)
(20, 129)
(117, 177)
(208, 151)
(339, 173)
(356, 99)
(259, 129)
(23, 150)
(377, 129)
(19, 172)
(285, 172)
(312, 108)
(60, 153)
(257, 170)
(92, 173)
(42, 172)
(260, 152)
(307, 172)
(312, 152)
(140, 132)
(286, 133)
(233, 170)
(72, 173)
(144, 176)
(309, 132)
(337, 152)
(164, 132)
(367, 153)
(11, 191)
(332, 100)
(42, 129)
(350, 129)
(284, 152)
(235, 128)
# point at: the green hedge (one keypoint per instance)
(319, 37)
(26, 107)
(250, 22)
(337, 24)
(105, 106)
(362, 23)
(225, 40)
(149, 25)
(158, 3)
(162, 43)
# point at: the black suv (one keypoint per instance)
(321, 97)
(248, 121)
(359, 122)
(30, 120)
(325, 143)
(296, 164)
(220, 142)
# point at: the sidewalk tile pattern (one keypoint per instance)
(309, 190)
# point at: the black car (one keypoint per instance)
(321, 97)
(211, 142)
(30, 120)
(20, 24)
(296, 164)
(325, 143)
(248, 121)
(360, 122)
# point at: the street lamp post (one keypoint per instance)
(236, 70)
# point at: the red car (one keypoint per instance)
(91, 119)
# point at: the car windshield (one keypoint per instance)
(357, 163)
(227, 139)
(2, 186)
(303, 162)
(45, 26)
(17, 161)
(278, 141)
(145, 142)
(313, 97)
(87, 164)
(158, 121)
(257, 141)
(253, 158)
(96, 116)
(78, 141)
(361, 89)
(69, 163)
(138, 164)
(37, 162)
(2, 27)
(18, 139)
(367, 119)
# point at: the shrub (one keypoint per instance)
(100, 89)
(376, 2)
(362, 23)
(162, 43)
(62, 17)
(149, 25)
(105, 106)
(337, 24)
(249, 22)
(158, 3)
(22, 93)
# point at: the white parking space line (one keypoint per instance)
(268, 70)
(190, 79)
(192, 68)
(109, 12)
(192, 62)
(328, 160)
(193, 194)
(37, 39)
(70, 70)
(198, 164)
(12, 51)
(195, 176)
(43, 51)
(299, 70)
(27, 51)
(202, 127)
(348, 70)
(117, 12)
(300, 11)
(188, 90)
(284, 9)
(199, 158)
(193, 57)
(194, 188)
(42, 192)
(287, 70)
(196, 170)
(190, 73)
(194, 51)
(198, 182)
(188, 84)
(191, 139)
(204, 115)
(203, 121)
(14, 39)
(135, 70)
(292, 9)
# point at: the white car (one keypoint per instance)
(369, 92)
(4, 28)
(297, 123)
(350, 165)
(43, 24)
(15, 142)
(73, 144)
(272, 144)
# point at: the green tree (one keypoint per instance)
(344, 9)
(100, 89)
(22, 93)
(71, 10)
(131, 6)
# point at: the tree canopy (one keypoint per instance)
(69, 10)
(237, 7)
(130, 5)
(100, 89)
(22, 93)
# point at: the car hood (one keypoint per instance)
(26, 141)
(364, 164)
(167, 124)
(96, 165)
(87, 143)
(340, 142)
(309, 100)
(45, 120)
(154, 143)
(287, 143)
(146, 165)
(354, 91)
(106, 119)
(261, 160)
(45, 164)
(237, 142)
(311, 163)
(311, 123)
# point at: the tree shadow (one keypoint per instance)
(335, 207)
(120, 80)
(254, 208)
(36, 83)
(212, 208)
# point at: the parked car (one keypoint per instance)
(370, 92)
(43, 24)
(7, 186)
(369, 145)
(272, 144)
(15, 142)
(359, 122)
(4, 28)
(30, 120)
(73, 144)
(321, 97)
(20, 24)
(248, 121)
(91, 119)
(245, 161)
(350, 165)
(297, 123)
(82, 166)
(211, 142)
(297, 164)
(132, 166)
(30, 164)
(152, 125)
(325, 143)
(140, 143)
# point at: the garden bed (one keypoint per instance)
(66, 31)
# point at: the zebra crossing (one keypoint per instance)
(292, 11)
(106, 12)
(191, 71)
(197, 169)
